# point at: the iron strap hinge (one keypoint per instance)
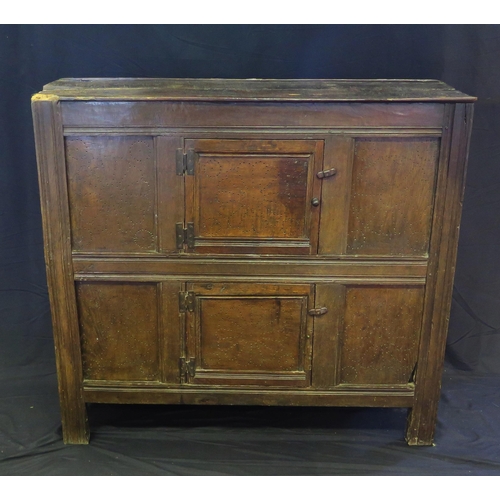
(184, 235)
(319, 311)
(187, 366)
(185, 161)
(186, 301)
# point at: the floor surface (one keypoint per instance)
(208, 440)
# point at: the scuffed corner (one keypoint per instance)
(44, 97)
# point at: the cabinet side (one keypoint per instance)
(57, 247)
(443, 254)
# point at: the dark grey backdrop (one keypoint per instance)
(464, 56)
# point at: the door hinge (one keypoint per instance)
(326, 173)
(186, 301)
(185, 162)
(319, 311)
(187, 366)
(184, 235)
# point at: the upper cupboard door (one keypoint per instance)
(124, 194)
(253, 196)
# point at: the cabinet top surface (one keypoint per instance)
(218, 89)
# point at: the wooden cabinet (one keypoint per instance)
(270, 242)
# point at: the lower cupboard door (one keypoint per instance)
(251, 334)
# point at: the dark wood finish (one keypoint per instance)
(57, 249)
(263, 397)
(119, 330)
(327, 329)
(171, 331)
(319, 269)
(174, 115)
(392, 195)
(112, 184)
(254, 196)
(422, 419)
(251, 241)
(170, 189)
(254, 89)
(336, 195)
(250, 334)
(379, 340)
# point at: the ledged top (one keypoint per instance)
(219, 89)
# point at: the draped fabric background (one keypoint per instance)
(190, 440)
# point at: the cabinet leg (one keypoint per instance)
(75, 425)
(420, 426)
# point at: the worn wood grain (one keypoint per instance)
(254, 196)
(392, 196)
(294, 286)
(171, 331)
(170, 192)
(255, 89)
(119, 330)
(261, 397)
(336, 195)
(112, 193)
(327, 331)
(57, 249)
(318, 268)
(250, 334)
(422, 420)
(381, 333)
(254, 115)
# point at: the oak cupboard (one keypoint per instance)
(264, 242)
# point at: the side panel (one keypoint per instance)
(422, 418)
(379, 342)
(56, 232)
(392, 196)
(112, 193)
(119, 331)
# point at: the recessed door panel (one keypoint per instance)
(249, 334)
(254, 196)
